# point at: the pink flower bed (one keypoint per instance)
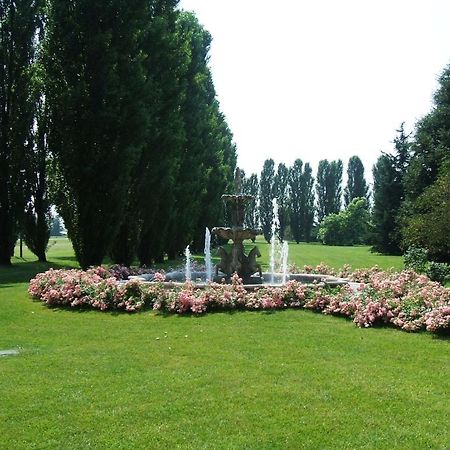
(405, 300)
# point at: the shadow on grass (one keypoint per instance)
(25, 271)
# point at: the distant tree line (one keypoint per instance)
(303, 201)
(108, 111)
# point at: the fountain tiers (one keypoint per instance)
(236, 260)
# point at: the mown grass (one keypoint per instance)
(289, 379)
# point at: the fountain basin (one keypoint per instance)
(198, 278)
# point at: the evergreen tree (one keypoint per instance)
(281, 193)
(428, 224)
(18, 25)
(388, 195)
(56, 226)
(328, 188)
(386, 203)
(356, 183)
(266, 195)
(431, 145)
(96, 95)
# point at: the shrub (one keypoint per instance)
(407, 300)
(415, 258)
(437, 271)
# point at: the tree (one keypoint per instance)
(348, 227)
(388, 195)
(328, 188)
(431, 145)
(96, 95)
(251, 187)
(37, 218)
(153, 195)
(56, 226)
(428, 224)
(281, 193)
(209, 155)
(266, 196)
(301, 185)
(356, 183)
(386, 202)
(18, 25)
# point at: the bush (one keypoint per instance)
(406, 300)
(415, 259)
(437, 271)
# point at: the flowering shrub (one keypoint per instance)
(406, 300)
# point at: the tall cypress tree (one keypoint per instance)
(266, 195)
(18, 24)
(96, 95)
(356, 183)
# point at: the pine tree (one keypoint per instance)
(266, 195)
(389, 194)
(356, 183)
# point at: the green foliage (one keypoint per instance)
(281, 193)
(302, 211)
(96, 92)
(428, 221)
(328, 188)
(266, 194)
(348, 227)
(437, 271)
(56, 226)
(416, 258)
(356, 183)
(388, 194)
(18, 28)
(250, 186)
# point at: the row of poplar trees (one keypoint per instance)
(108, 111)
(302, 200)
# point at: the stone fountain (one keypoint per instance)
(235, 260)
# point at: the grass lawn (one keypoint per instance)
(247, 380)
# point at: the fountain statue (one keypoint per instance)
(236, 260)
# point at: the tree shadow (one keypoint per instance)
(25, 271)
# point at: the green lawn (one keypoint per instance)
(246, 380)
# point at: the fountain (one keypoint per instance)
(233, 259)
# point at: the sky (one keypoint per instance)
(323, 79)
